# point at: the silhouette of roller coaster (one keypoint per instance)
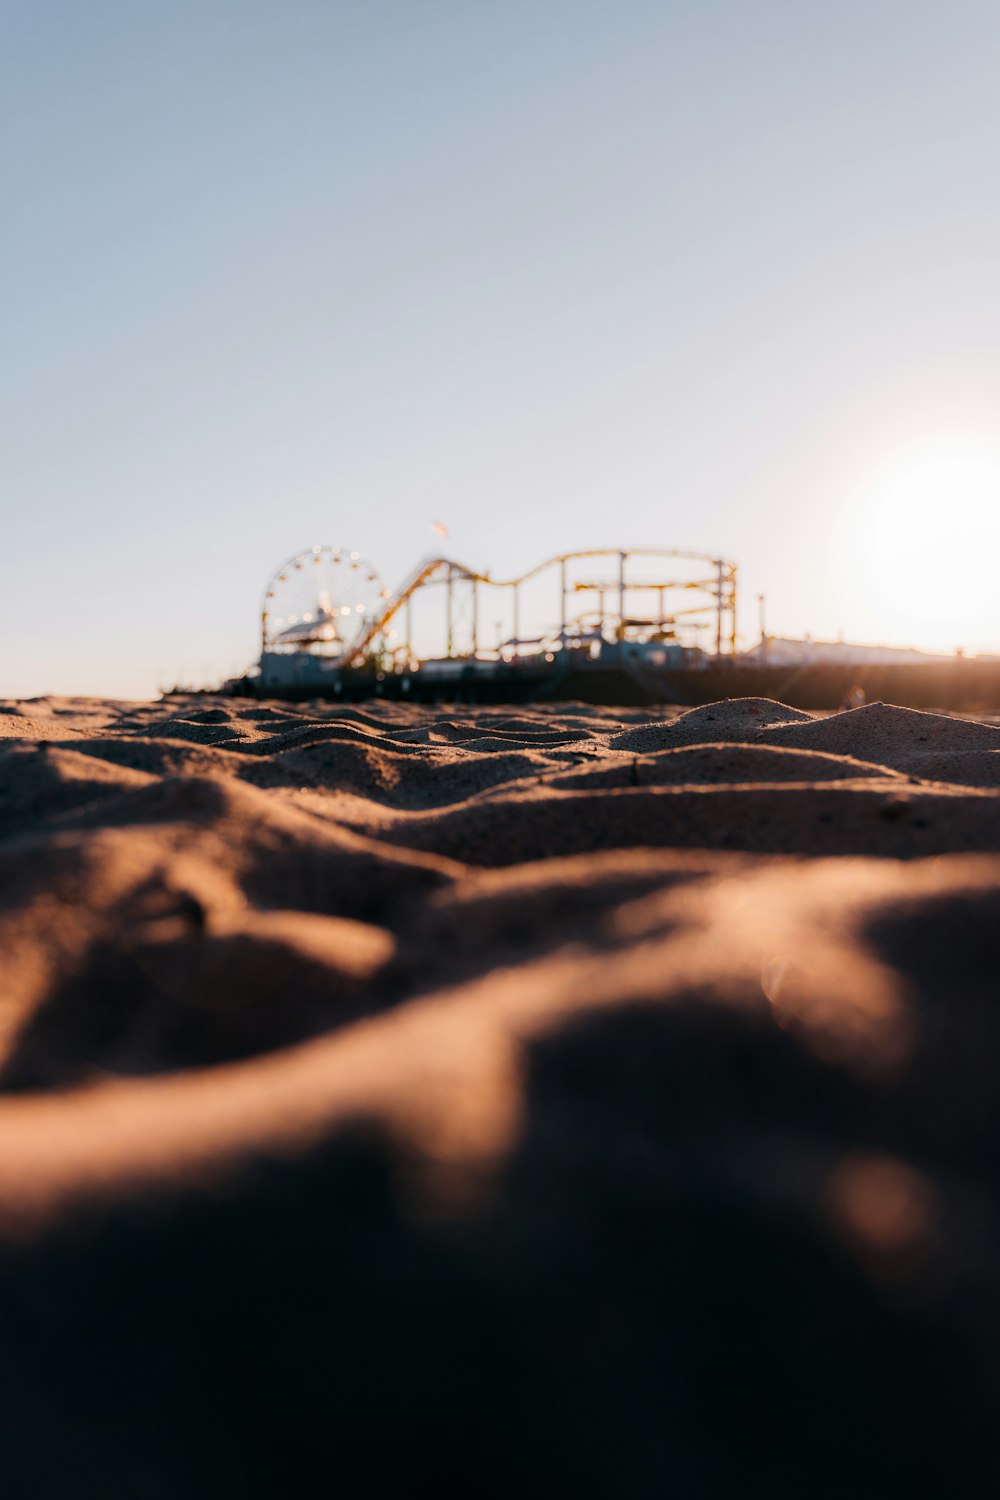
(329, 625)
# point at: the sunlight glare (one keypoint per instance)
(927, 541)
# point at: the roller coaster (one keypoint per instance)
(329, 624)
(628, 626)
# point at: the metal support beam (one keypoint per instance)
(449, 590)
(621, 596)
(732, 605)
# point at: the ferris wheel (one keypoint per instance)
(320, 601)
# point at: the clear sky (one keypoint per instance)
(719, 274)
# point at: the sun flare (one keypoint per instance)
(928, 543)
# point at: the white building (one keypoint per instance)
(782, 651)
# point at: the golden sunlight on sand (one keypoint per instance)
(562, 1097)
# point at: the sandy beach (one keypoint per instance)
(498, 1102)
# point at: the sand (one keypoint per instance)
(498, 1102)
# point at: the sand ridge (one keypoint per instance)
(503, 1101)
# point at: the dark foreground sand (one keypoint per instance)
(498, 1103)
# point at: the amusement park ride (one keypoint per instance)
(330, 627)
(622, 626)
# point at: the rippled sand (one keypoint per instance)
(498, 1102)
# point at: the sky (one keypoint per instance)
(719, 275)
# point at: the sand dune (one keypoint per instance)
(498, 1102)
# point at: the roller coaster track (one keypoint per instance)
(425, 572)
